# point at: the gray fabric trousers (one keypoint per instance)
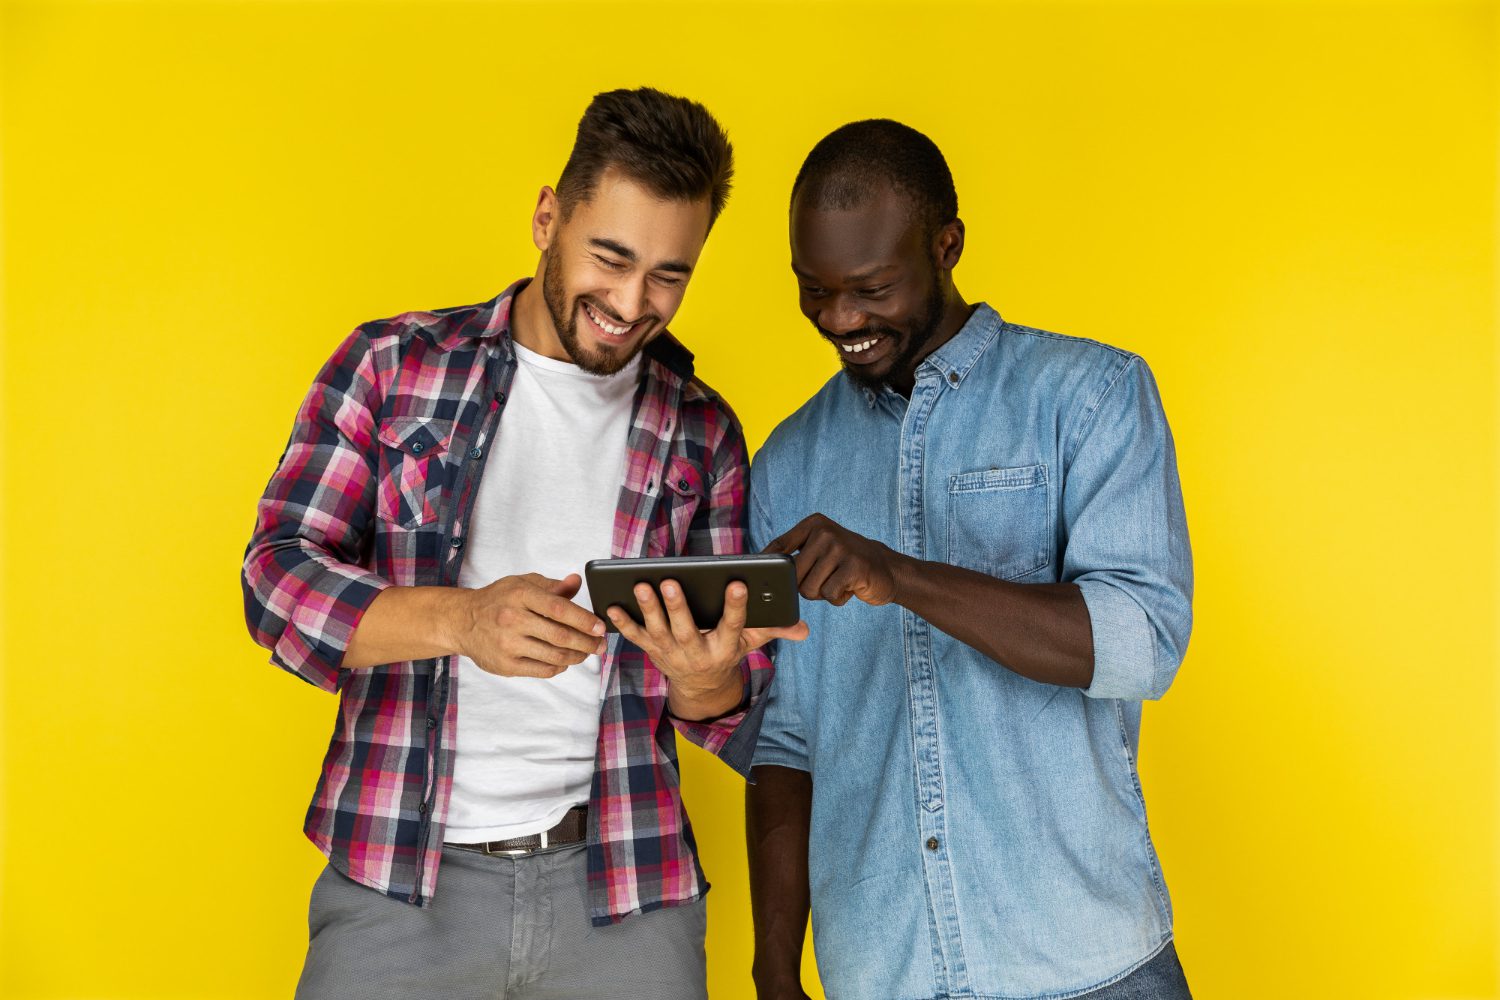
(497, 928)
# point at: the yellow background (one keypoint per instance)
(1288, 209)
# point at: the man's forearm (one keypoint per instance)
(407, 623)
(1039, 630)
(778, 816)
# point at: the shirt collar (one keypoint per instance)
(491, 323)
(955, 359)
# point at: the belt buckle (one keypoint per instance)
(516, 852)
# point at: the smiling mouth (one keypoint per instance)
(616, 331)
(869, 349)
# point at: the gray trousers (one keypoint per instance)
(497, 928)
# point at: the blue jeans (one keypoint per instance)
(1159, 979)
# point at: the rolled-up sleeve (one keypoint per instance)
(304, 586)
(1126, 540)
(719, 528)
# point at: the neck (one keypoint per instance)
(531, 323)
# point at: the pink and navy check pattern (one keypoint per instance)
(376, 488)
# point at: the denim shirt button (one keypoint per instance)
(953, 378)
(932, 843)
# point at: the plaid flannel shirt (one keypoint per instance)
(376, 488)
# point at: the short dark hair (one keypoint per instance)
(847, 165)
(670, 144)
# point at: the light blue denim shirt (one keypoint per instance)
(975, 833)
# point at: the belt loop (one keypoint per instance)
(544, 840)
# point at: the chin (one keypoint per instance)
(867, 377)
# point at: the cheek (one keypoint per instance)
(903, 316)
(665, 301)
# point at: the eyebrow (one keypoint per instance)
(853, 279)
(620, 249)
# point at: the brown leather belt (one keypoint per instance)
(571, 829)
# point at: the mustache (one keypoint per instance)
(609, 314)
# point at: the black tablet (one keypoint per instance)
(771, 579)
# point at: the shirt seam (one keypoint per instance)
(1095, 405)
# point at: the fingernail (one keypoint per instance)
(599, 626)
(669, 590)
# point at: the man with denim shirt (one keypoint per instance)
(499, 803)
(989, 533)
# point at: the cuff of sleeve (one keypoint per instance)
(779, 757)
(323, 623)
(1124, 653)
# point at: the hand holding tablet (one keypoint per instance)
(771, 582)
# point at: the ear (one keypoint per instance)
(948, 247)
(546, 218)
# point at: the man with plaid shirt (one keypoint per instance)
(446, 476)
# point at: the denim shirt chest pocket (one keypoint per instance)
(1000, 520)
(410, 487)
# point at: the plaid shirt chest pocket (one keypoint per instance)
(411, 469)
(684, 489)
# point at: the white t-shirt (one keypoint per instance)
(546, 504)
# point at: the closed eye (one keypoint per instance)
(611, 264)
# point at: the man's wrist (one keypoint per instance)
(456, 619)
(706, 704)
(904, 570)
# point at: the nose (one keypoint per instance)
(840, 317)
(629, 299)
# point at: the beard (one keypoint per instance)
(565, 320)
(904, 361)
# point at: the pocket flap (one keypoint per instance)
(684, 478)
(1016, 478)
(416, 436)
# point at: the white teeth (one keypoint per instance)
(856, 348)
(609, 328)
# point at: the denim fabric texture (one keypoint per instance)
(1161, 978)
(974, 833)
